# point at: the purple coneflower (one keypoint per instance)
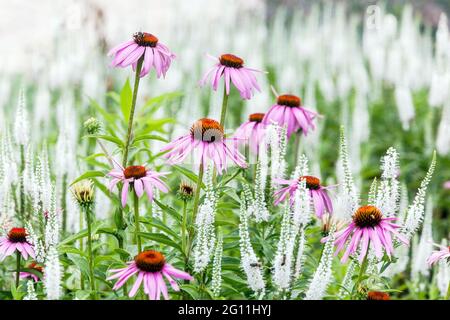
(16, 240)
(317, 192)
(139, 178)
(252, 131)
(437, 255)
(207, 141)
(232, 69)
(289, 112)
(150, 267)
(32, 266)
(377, 295)
(155, 54)
(368, 226)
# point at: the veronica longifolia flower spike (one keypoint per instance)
(232, 69)
(16, 239)
(150, 266)
(368, 225)
(437, 255)
(317, 192)
(140, 178)
(207, 141)
(289, 112)
(156, 55)
(252, 132)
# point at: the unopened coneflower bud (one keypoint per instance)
(92, 126)
(83, 192)
(186, 191)
(377, 295)
(327, 222)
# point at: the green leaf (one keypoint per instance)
(126, 96)
(191, 290)
(159, 225)
(169, 210)
(80, 262)
(187, 173)
(149, 137)
(112, 139)
(161, 238)
(87, 175)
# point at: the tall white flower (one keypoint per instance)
(405, 105)
(31, 294)
(388, 193)
(204, 222)
(323, 275)
(425, 245)
(276, 139)
(284, 257)
(249, 261)
(347, 190)
(52, 274)
(21, 125)
(216, 283)
(443, 134)
(416, 210)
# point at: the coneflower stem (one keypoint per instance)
(136, 221)
(88, 213)
(81, 249)
(362, 269)
(183, 231)
(224, 107)
(18, 268)
(132, 109)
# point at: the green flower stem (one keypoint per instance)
(197, 192)
(132, 110)
(88, 213)
(136, 221)
(18, 268)
(224, 107)
(362, 269)
(128, 138)
(194, 211)
(183, 229)
(81, 249)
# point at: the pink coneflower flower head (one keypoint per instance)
(233, 70)
(139, 178)
(252, 131)
(437, 255)
(289, 112)
(446, 185)
(150, 266)
(378, 295)
(317, 192)
(156, 55)
(368, 226)
(32, 266)
(16, 240)
(208, 143)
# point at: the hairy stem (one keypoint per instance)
(136, 221)
(132, 110)
(90, 255)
